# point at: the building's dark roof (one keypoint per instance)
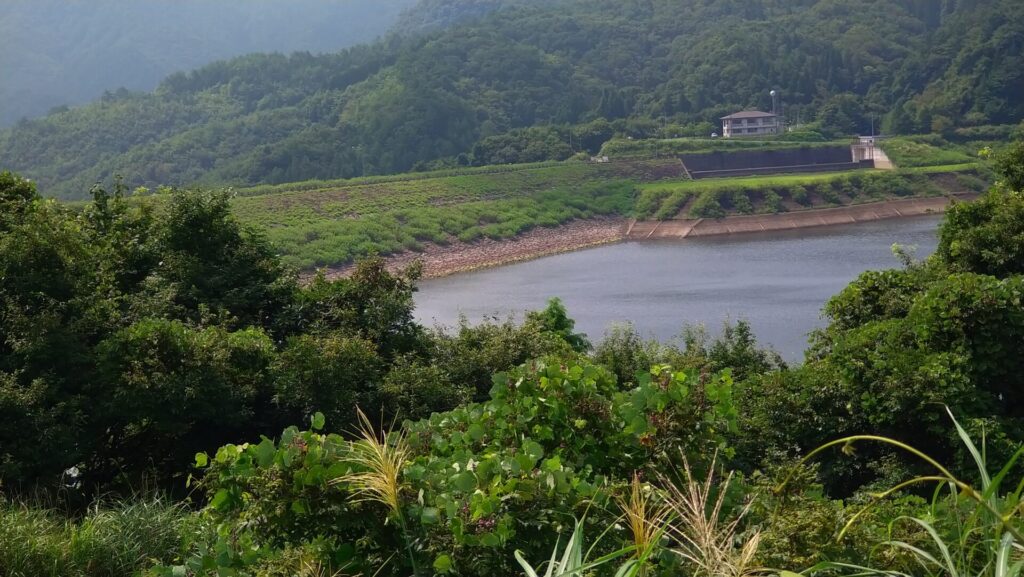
(749, 114)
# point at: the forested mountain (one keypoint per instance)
(465, 92)
(57, 52)
(436, 14)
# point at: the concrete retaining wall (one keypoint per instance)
(803, 168)
(791, 220)
(747, 159)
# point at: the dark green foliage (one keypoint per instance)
(212, 266)
(625, 353)
(985, 236)
(414, 389)
(555, 319)
(331, 372)
(469, 355)
(843, 115)
(799, 195)
(874, 295)
(554, 438)
(136, 333)
(523, 145)
(15, 193)
(1010, 165)
(371, 303)
(514, 84)
(801, 527)
(163, 388)
(272, 499)
(902, 343)
(708, 205)
(734, 349)
(773, 202)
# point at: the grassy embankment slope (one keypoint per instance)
(928, 166)
(320, 223)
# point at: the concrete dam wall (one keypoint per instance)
(750, 162)
(690, 228)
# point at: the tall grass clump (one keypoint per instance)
(707, 542)
(121, 539)
(376, 477)
(573, 560)
(973, 528)
(647, 515)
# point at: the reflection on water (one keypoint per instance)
(777, 281)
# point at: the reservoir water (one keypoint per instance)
(777, 281)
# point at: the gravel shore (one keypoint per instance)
(441, 260)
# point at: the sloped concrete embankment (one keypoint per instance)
(791, 220)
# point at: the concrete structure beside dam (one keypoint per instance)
(720, 164)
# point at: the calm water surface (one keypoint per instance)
(777, 281)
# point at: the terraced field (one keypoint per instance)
(714, 198)
(338, 222)
(333, 223)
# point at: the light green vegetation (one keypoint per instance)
(778, 193)
(624, 147)
(324, 223)
(937, 169)
(768, 180)
(110, 540)
(923, 151)
(338, 224)
(403, 177)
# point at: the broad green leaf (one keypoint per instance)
(220, 499)
(443, 564)
(553, 464)
(534, 450)
(465, 482)
(265, 452)
(318, 421)
(430, 515)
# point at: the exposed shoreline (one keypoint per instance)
(807, 218)
(457, 256)
(442, 260)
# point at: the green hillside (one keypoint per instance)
(55, 53)
(541, 81)
(326, 223)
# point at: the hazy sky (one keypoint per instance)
(55, 52)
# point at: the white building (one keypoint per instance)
(751, 123)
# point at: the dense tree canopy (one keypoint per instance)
(130, 348)
(134, 334)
